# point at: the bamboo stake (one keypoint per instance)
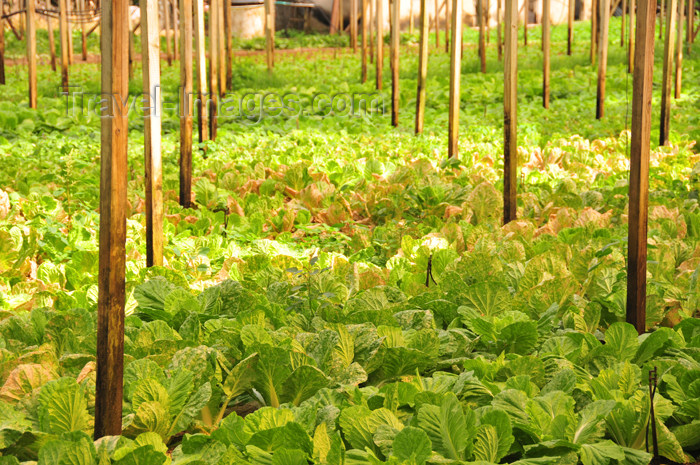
(510, 112)
(370, 20)
(602, 57)
(63, 26)
(395, 42)
(482, 30)
(341, 17)
(83, 31)
(222, 47)
(689, 20)
(270, 33)
(201, 60)
(679, 50)
(623, 29)
(353, 25)
(365, 28)
(186, 88)
(447, 26)
(668, 69)
(166, 18)
(661, 20)
(380, 43)
(176, 30)
(2, 51)
(31, 50)
(594, 30)
(52, 44)
(526, 20)
(455, 78)
(410, 18)
(150, 56)
(630, 42)
(132, 51)
(213, 65)
(546, 34)
(437, 24)
(570, 27)
(69, 10)
(639, 166)
(229, 43)
(112, 245)
(499, 38)
(488, 21)
(422, 66)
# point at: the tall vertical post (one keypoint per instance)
(150, 55)
(623, 29)
(602, 57)
(370, 24)
(639, 166)
(353, 25)
(69, 10)
(679, 50)
(222, 47)
(437, 24)
(526, 20)
(186, 100)
(2, 50)
(546, 35)
(482, 29)
(213, 65)
(166, 20)
(176, 29)
(410, 17)
(112, 246)
(341, 17)
(395, 42)
(132, 51)
(447, 26)
(630, 42)
(668, 69)
(229, 43)
(689, 20)
(422, 66)
(52, 43)
(594, 30)
(570, 26)
(31, 50)
(270, 33)
(380, 43)
(365, 29)
(510, 113)
(63, 32)
(201, 63)
(662, 11)
(455, 78)
(499, 37)
(83, 29)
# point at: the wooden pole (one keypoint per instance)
(447, 26)
(31, 50)
(353, 25)
(594, 30)
(213, 65)
(229, 42)
(510, 112)
(679, 50)
(222, 47)
(662, 11)
(546, 35)
(639, 166)
(455, 78)
(333, 26)
(176, 30)
(499, 38)
(488, 21)
(132, 51)
(270, 33)
(201, 60)
(63, 32)
(83, 31)
(689, 20)
(2, 51)
(668, 69)
(526, 20)
(437, 24)
(570, 27)
(410, 18)
(69, 10)
(52, 43)
(166, 18)
(341, 17)
(395, 42)
(365, 29)
(150, 55)
(630, 42)
(380, 43)
(186, 100)
(623, 28)
(602, 57)
(422, 66)
(112, 246)
(482, 30)
(370, 20)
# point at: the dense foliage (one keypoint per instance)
(295, 320)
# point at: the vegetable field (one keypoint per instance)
(339, 291)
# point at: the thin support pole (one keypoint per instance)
(602, 57)
(422, 66)
(52, 43)
(63, 26)
(499, 37)
(623, 28)
(150, 55)
(270, 33)
(112, 246)
(570, 27)
(353, 25)
(455, 78)
(228, 18)
(668, 69)
(639, 166)
(395, 42)
(482, 30)
(679, 50)
(31, 51)
(546, 35)
(2, 51)
(166, 18)
(437, 24)
(630, 42)
(222, 47)
(365, 29)
(380, 44)
(371, 26)
(201, 64)
(83, 32)
(510, 112)
(213, 65)
(186, 98)
(594, 30)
